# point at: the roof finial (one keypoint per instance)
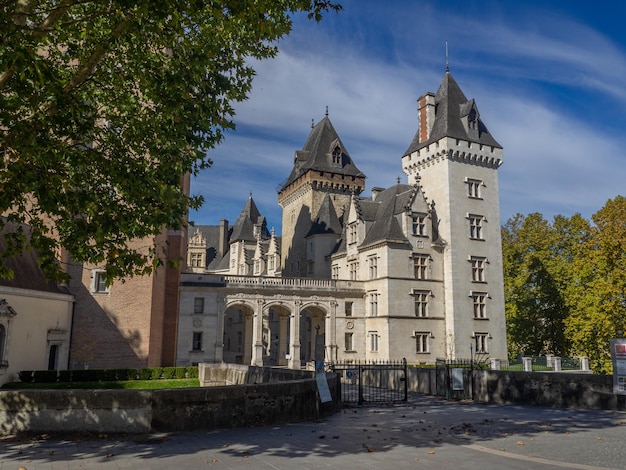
(398, 180)
(326, 110)
(447, 59)
(312, 123)
(250, 194)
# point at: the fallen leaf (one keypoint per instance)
(431, 452)
(598, 438)
(416, 459)
(519, 443)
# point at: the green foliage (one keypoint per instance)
(45, 376)
(157, 373)
(169, 373)
(565, 284)
(105, 107)
(65, 376)
(125, 374)
(181, 372)
(26, 376)
(145, 374)
(192, 372)
(86, 375)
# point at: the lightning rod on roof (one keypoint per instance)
(447, 58)
(327, 111)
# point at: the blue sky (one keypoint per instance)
(549, 79)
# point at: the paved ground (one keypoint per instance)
(424, 433)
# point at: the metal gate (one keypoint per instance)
(455, 378)
(363, 382)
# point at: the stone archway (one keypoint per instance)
(276, 334)
(312, 332)
(237, 334)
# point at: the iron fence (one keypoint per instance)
(379, 382)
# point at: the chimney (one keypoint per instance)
(426, 115)
(223, 240)
(375, 192)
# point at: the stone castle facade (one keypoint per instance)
(413, 271)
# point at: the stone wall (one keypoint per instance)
(138, 411)
(550, 389)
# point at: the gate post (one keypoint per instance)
(406, 379)
(360, 384)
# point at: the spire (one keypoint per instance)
(447, 59)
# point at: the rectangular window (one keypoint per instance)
(335, 272)
(475, 227)
(481, 342)
(348, 341)
(99, 282)
(354, 270)
(348, 309)
(196, 342)
(352, 233)
(196, 259)
(373, 266)
(422, 342)
(421, 303)
(270, 260)
(198, 305)
(373, 297)
(311, 267)
(373, 341)
(418, 225)
(420, 266)
(478, 268)
(480, 304)
(473, 188)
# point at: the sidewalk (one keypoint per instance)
(423, 433)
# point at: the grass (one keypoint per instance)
(127, 385)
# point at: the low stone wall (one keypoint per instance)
(236, 374)
(550, 389)
(139, 411)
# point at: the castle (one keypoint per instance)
(413, 271)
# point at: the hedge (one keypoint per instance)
(108, 375)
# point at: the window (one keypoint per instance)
(348, 341)
(481, 342)
(195, 259)
(419, 225)
(337, 156)
(476, 227)
(354, 270)
(310, 267)
(348, 309)
(196, 342)
(422, 342)
(373, 266)
(373, 341)
(473, 188)
(478, 268)
(420, 266)
(373, 298)
(99, 282)
(421, 303)
(335, 271)
(270, 260)
(352, 233)
(198, 305)
(480, 304)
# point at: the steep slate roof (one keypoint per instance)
(326, 220)
(391, 202)
(243, 228)
(212, 235)
(451, 107)
(317, 152)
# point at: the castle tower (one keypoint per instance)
(323, 168)
(456, 161)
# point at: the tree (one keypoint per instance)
(106, 105)
(537, 257)
(598, 289)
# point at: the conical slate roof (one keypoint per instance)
(453, 112)
(243, 228)
(317, 154)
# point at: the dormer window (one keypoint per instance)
(337, 155)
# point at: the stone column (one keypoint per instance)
(494, 363)
(247, 339)
(331, 333)
(282, 340)
(584, 363)
(294, 329)
(219, 340)
(257, 334)
(528, 364)
(556, 363)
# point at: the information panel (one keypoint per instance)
(618, 354)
